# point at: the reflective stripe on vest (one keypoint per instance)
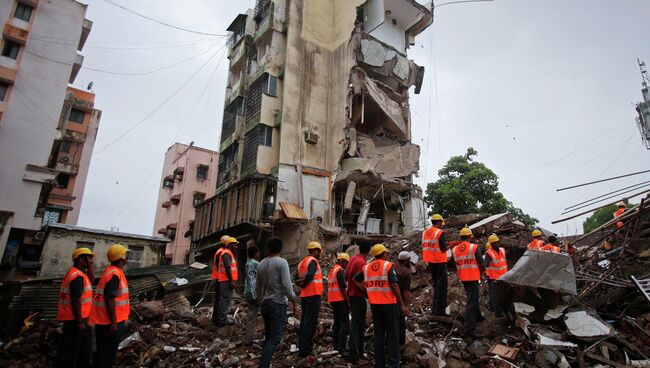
(466, 264)
(498, 265)
(315, 286)
(536, 244)
(431, 246)
(221, 271)
(64, 312)
(215, 275)
(375, 278)
(550, 248)
(98, 314)
(334, 293)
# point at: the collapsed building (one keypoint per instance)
(316, 132)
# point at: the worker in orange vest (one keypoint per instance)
(537, 242)
(75, 301)
(310, 279)
(227, 276)
(621, 208)
(215, 284)
(111, 307)
(434, 253)
(469, 267)
(495, 266)
(379, 280)
(337, 297)
(550, 246)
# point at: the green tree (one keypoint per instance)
(600, 217)
(468, 186)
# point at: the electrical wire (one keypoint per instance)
(612, 192)
(137, 48)
(604, 199)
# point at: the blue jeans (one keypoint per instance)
(275, 319)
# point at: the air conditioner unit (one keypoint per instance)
(311, 137)
(39, 236)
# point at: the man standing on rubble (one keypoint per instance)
(215, 264)
(227, 278)
(495, 266)
(337, 297)
(550, 246)
(249, 290)
(273, 291)
(621, 208)
(537, 242)
(110, 307)
(310, 279)
(358, 306)
(404, 273)
(75, 300)
(381, 285)
(434, 253)
(469, 267)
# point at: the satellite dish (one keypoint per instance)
(90, 86)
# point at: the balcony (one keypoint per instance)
(15, 34)
(85, 32)
(79, 60)
(66, 167)
(239, 53)
(237, 90)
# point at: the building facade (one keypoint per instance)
(46, 128)
(189, 176)
(316, 124)
(643, 108)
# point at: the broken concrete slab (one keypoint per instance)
(487, 225)
(546, 270)
(582, 325)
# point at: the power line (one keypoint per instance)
(137, 48)
(459, 2)
(612, 192)
(604, 199)
(602, 180)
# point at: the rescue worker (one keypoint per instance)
(404, 273)
(310, 279)
(215, 284)
(495, 266)
(358, 305)
(110, 307)
(249, 291)
(550, 246)
(537, 242)
(227, 279)
(379, 280)
(434, 253)
(469, 266)
(621, 208)
(75, 301)
(337, 297)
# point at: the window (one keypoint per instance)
(62, 180)
(4, 87)
(11, 49)
(23, 12)
(198, 198)
(51, 216)
(77, 116)
(135, 257)
(65, 146)
(168, 182)
(271, 89)
(86, 244)
(202, 172)
(265, 135)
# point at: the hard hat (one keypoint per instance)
(437, 217)
(80, 252)
(343, 257)
(224, 239)
(314, 245)
(377, 249)
(488, 246)
(231, 240)
(493, 239)
(621, 204)
(115, 252)
(466, 232)
(536, 233)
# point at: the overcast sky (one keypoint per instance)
(544, 90)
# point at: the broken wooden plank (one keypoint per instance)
(292, 211)
(504, 351)
(600, 359)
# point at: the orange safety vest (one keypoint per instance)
(375, 278)
(466, 264)
(315, 287)
(431, 247)
(221, 271)
(334, 292)
(550, 248)
(498, 265)
(617, 214)
(65, 312)
(536, 244)
(217, 254)
(98, 313)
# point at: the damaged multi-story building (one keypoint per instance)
(316, 137)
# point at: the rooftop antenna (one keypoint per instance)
(644, 73)
(90, 86)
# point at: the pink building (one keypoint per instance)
(189, 176)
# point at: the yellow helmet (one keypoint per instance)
(466, 232)
(488, 246)
(378, 249)
(224, 239)
(314, 245)
(621, 204)
(115, 252)
(437, 217)
(343, 257)
(80, 252)
(231, 240)
(536, 233)
(493, 239)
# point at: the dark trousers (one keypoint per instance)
(493, 299)
(76, 348)
(341, 324)
(215, 305)
(386, 320)
(275, 319)
(358, 309)
(107, 344)
(308, 322)
(472, 310)
(225, 298)
(439, 282)
(402, 328)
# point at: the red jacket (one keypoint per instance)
(355, 266)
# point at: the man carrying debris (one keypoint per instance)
(358, 306)
(381, 285)
(469, 266)
(110, 307)
(75, 300)
(273, 290)
(227, 279)
(249, 290)
(550, 246)
(310, 279)
(621, 208)
(215, 260)
(434, 252)
(537, 242)
(404, 273)
(495, 266)
(337, 297)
